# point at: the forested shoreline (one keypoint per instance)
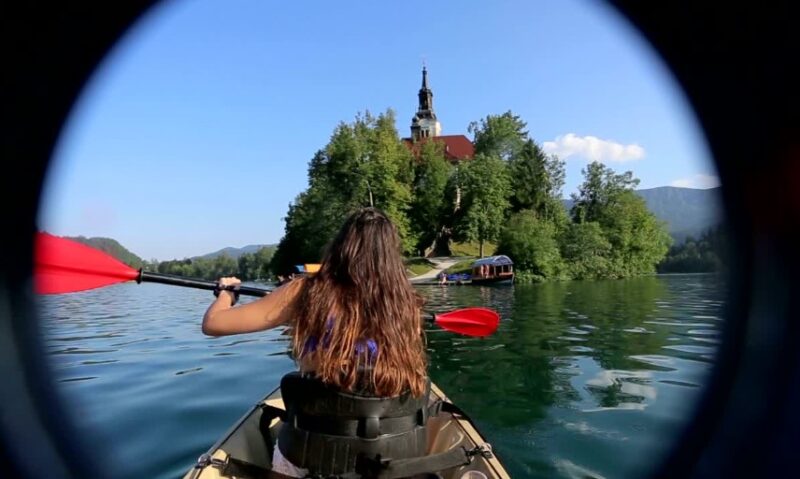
(509, 195)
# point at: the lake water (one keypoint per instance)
(582, 379)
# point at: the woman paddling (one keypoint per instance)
(356, 326)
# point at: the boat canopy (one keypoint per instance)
(499, 260)
(312, 267)
(307, 268)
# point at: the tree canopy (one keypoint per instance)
(486, 189)
(363, 164)
(509, 193)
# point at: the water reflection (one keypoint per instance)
(632, 350)
(582, 379)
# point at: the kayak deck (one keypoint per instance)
(244, 445)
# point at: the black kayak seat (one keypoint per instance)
(331, 432)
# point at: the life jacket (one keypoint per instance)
(341, 434)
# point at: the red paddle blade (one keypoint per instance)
(469, 321)
(65, 266)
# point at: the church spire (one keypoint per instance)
(426, 94)
(424, 124)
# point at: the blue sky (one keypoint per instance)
(195, 132)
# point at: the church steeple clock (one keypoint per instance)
(424, 124)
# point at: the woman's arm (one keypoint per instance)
(268, 312)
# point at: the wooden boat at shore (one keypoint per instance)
(493, 270)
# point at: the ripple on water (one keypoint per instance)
(679, 383)
(85, 337)
(132, 341)
(663, 363)
(81, 351)
(570, 338)
(574, 330)
(583, 427)
(703, 332)
(638, 330)
(234, 343)
(580, 349)
(72, 380)
(571, 470)
(679, 323)
(689, 348)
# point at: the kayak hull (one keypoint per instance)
(245, 446)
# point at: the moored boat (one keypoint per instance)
(493, 269)
(243, 452)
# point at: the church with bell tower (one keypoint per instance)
(424, 124)
(426, 127)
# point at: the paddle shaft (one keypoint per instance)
(150, 277)
(67, 266)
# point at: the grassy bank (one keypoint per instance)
(472, 249)
(461, 267)
(417, 266)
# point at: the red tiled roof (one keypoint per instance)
(456, 147)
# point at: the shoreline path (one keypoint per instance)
(440, 264)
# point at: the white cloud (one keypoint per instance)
(697, 181)
(593, 149)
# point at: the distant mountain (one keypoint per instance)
(236, 252)
(112, 247)
(687, 211)
(115, 249)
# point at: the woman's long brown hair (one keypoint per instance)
(361, 293)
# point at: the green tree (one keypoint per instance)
(430, 204)
(312, 221)
(586, 251)
(262, 260)
(639, 240)
(390, 174)
(500, 135)
(556, 176)
(531, 243)
(536, 182)
(485, 192)
(246, 267)
(222, 265)
(363, 164)
(601, 187)
(530, 181)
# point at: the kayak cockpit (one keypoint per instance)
(244, 452)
